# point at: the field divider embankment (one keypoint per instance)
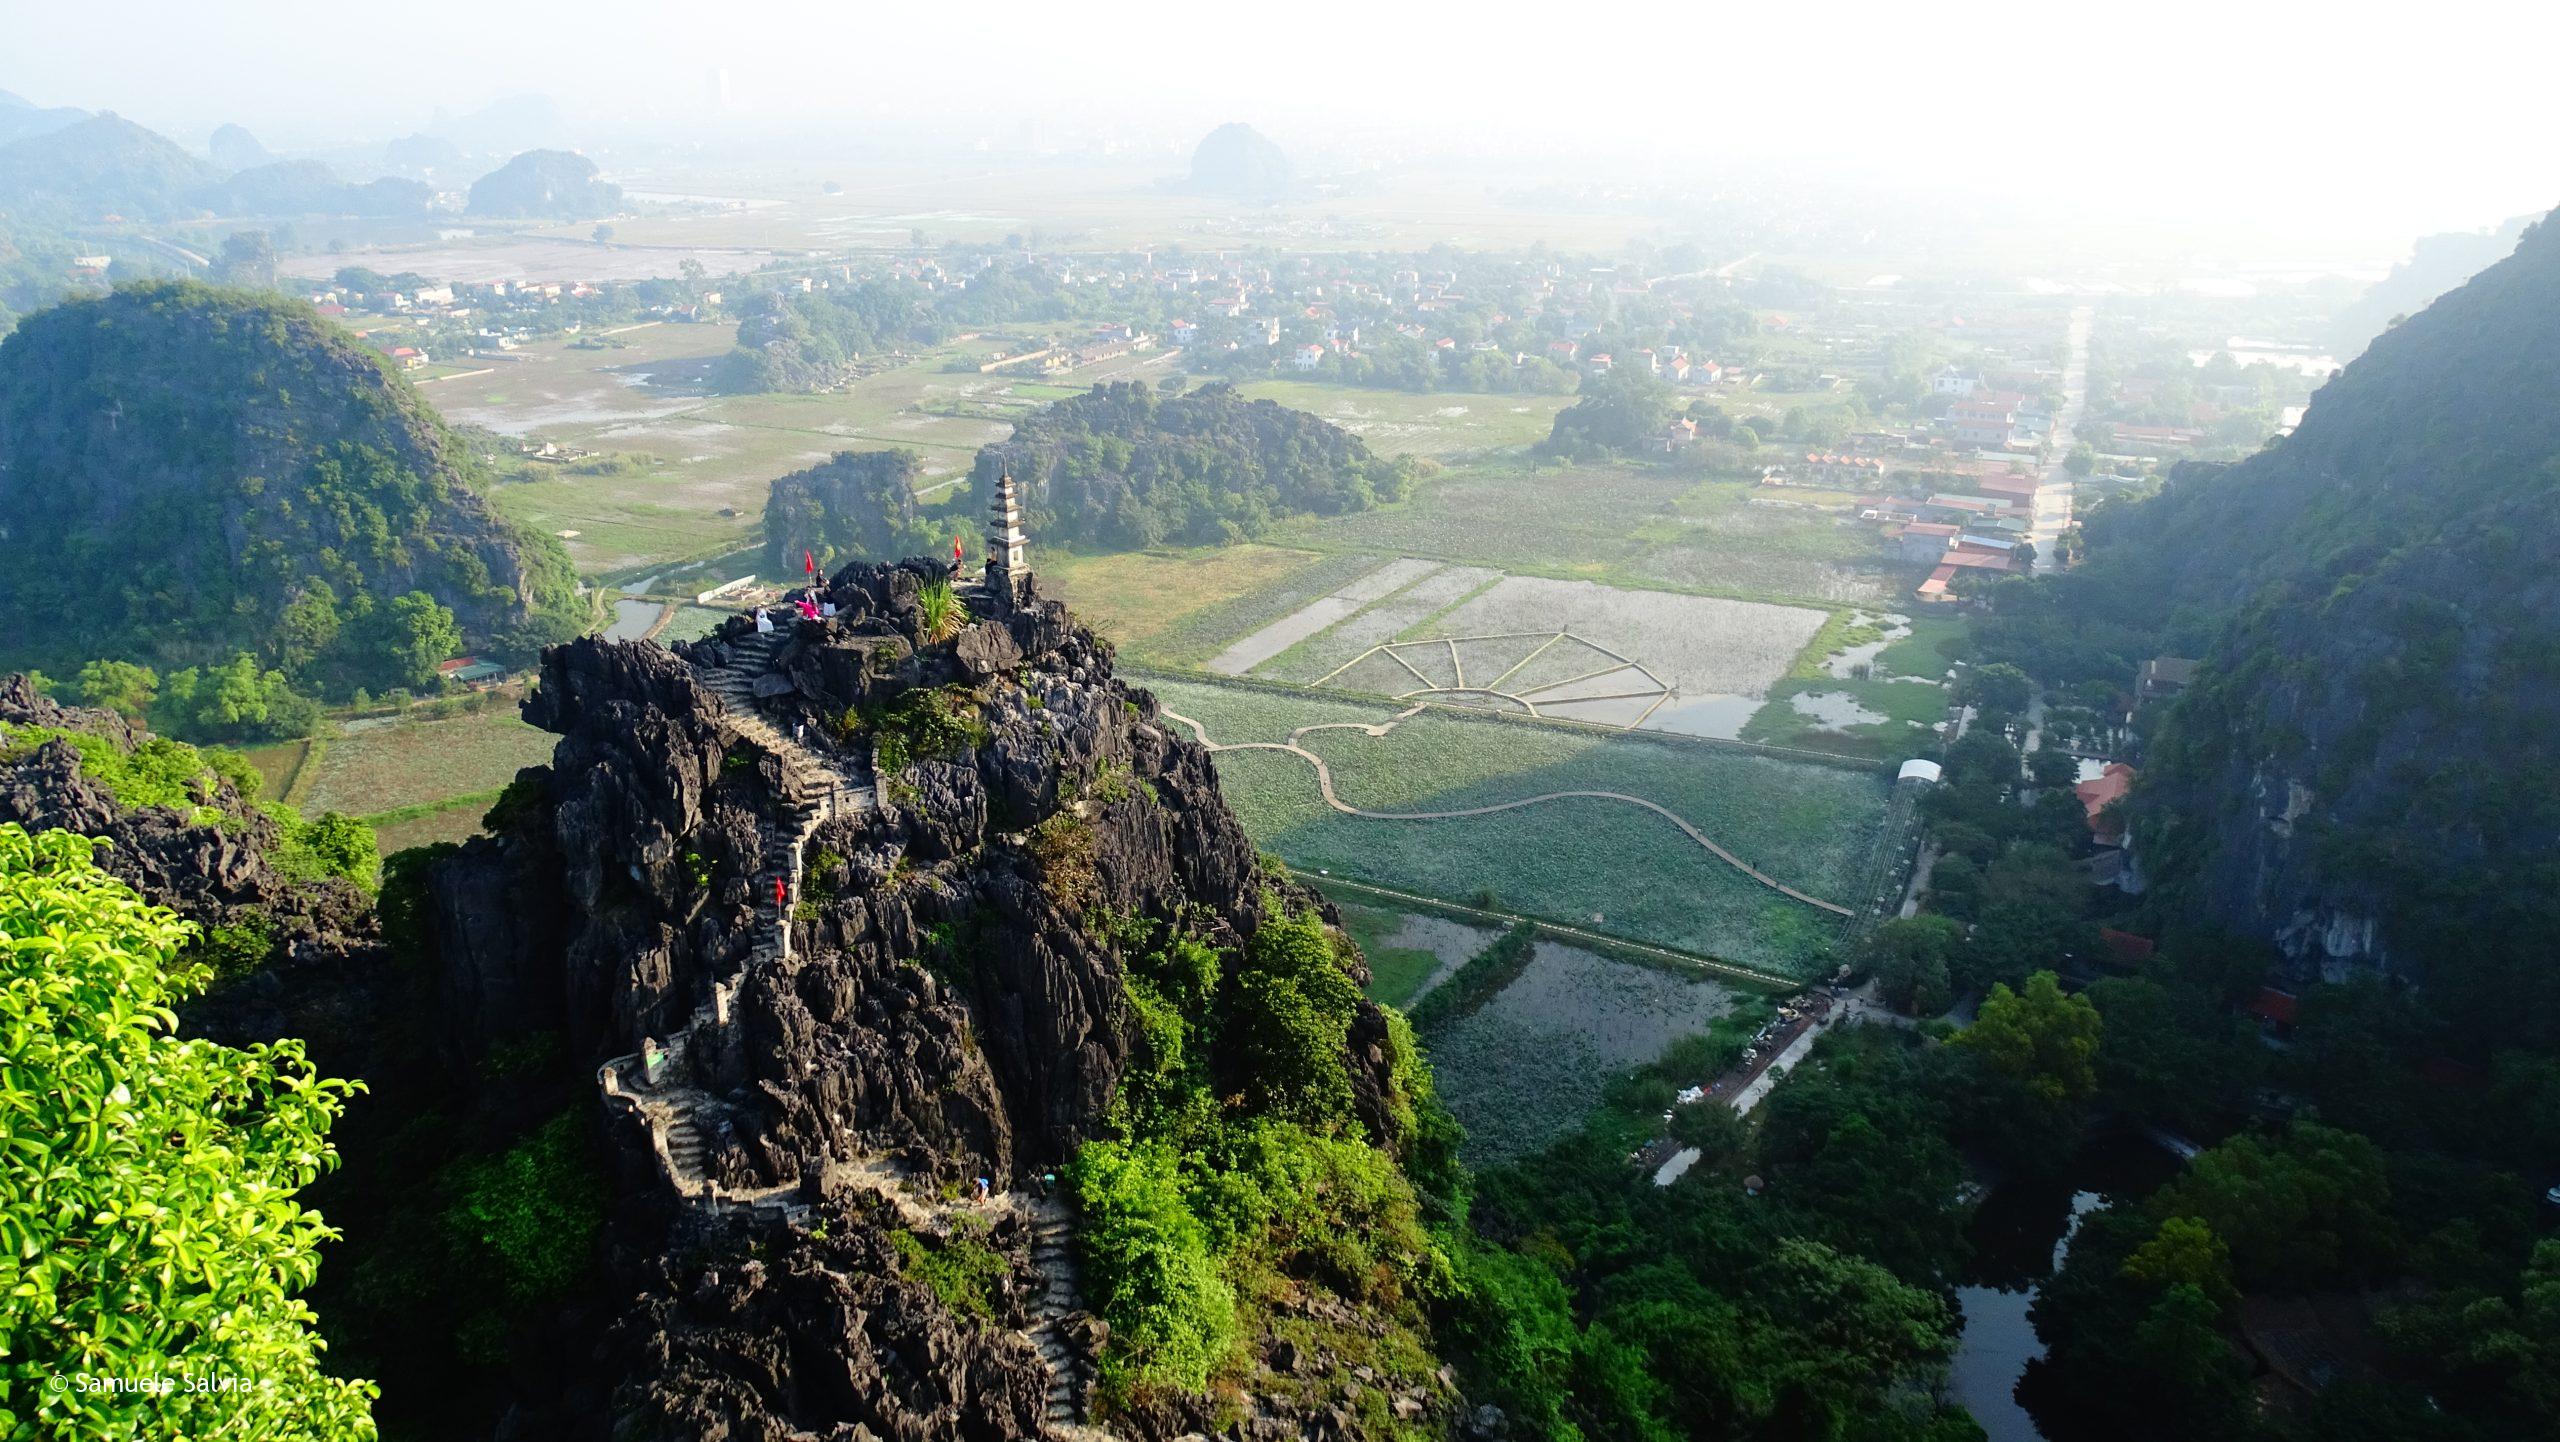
(1324, 784)
(1139, 671)
(1770, 981)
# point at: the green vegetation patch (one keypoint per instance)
(382, 771)
(159, 772)
(965, 1273)
(1584, 862)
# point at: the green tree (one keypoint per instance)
(2307, 1209)
(1292, 1013)
(409, 636)
(1982, 757)
(248, 258)
(119, 686)
(1621, 409)
(2195, 1378)
(1911, 958)
(149, 1218)
(1996, 690)
(308, 628)
(2184, 1253)
(2044, 1041)
(1172, 1317)
(2051, 766)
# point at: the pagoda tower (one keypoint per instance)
(1008, 555)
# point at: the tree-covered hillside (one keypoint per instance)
(2369, 762)
(855, 505)
(188, 473)
(1123, 465)
(810, 341)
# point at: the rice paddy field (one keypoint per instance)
(1410, 953)
(1630, 524)
(1399, 423)
(403, 775)
(1193, 634)
(689, 455)
(1137, 599)
(1611, 655)
(1586, 862)
(1883, 698)
(1527, 1067)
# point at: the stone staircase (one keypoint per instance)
(1052, 1256)
(661, 1084)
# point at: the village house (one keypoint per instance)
(1835, 470)
(2163, 677)
(2100, 792)
(1309, 356)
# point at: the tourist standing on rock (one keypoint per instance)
(764, 623)
(781, 892)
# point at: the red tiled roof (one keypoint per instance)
(2127, 948)
(2107, 786)
(2273, 1005)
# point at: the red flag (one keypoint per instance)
(955, 550)
(808, 564)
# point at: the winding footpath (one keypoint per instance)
(662, 1086)
(1324, 782)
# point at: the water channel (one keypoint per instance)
(2020, 1235)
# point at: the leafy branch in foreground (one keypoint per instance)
(148, 1226)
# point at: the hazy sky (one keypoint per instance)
(2408, 117)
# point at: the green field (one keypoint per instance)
(1196, 634)
(1627, 524)
(1586, 862)
(1395, 972)
(1538, 1059)
(399, 768)
(1138, 599)
(694, 454)
(1904, 692)
(1399, 423)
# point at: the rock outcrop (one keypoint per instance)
(214, 866)
(833, 908)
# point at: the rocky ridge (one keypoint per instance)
(215, 873)
(825, 1000)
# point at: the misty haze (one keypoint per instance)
(802, 723)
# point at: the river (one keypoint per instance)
(2020, 1235)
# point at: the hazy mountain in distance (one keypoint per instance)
(507, 126)
(235, 149)
(545, 184)
(1240, 161)
(421, 157)
(308, 187)
(2435, 265)
(105, 165)
(20, 117)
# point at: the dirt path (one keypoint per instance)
(1324, 783)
